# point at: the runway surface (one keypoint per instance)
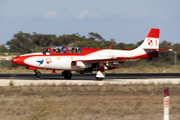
(91, 76)
(87, 79)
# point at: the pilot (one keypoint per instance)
(73, 50)
(55, 49)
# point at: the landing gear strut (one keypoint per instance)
(67, 74)
(37, 73)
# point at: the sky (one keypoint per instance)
(127, 21)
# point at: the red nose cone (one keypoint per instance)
(18, 60)
(15, 60)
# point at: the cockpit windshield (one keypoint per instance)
(62, 49)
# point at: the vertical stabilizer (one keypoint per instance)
(150, 45)
(152, 40)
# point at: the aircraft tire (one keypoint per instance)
(37, 74)
(67, 74)
(99, 78)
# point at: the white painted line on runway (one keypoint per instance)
(6, 82)
(149, 81)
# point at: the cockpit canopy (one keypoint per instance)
(62, 50)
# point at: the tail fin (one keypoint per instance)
(152, 40)
(150, 45)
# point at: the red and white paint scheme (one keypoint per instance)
(85, 60)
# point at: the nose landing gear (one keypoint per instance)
(37, 73)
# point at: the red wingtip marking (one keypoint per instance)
(154, 33)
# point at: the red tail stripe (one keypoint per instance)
(154, 33)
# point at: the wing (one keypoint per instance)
(104, 60)
(110, 63)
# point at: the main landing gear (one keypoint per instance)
(100, 74)
(37, 73)
(67, 74)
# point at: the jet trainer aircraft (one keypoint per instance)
(85, 60)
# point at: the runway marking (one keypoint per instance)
(6, 82)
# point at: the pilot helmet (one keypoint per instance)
(73, 49)
(55, 48)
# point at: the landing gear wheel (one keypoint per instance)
(37, 73)
(99, 78)
(67, 74)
